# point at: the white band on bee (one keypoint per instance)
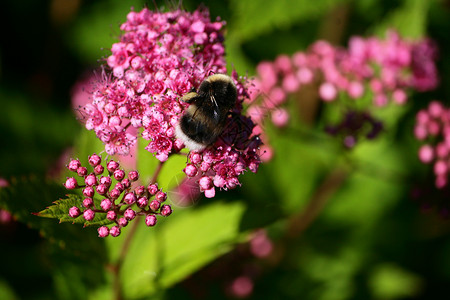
(188, 142)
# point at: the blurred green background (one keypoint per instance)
(374, 239)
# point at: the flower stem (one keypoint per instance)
(116, 268)
(301, 221)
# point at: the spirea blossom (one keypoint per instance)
(433, 128)
(159, 58)
(116, 200)
(384, 70)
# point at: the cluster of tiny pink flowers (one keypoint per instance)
(160, 57)
(386, 68)
(433, 128)
(120, 202)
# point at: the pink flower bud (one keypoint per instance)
(166, 210)
(114, 193)
(161, 196)
(154, 205)
(106, 204)
(204, 166)
(420, 132)
(426, 154)
(205, 183)
(74, 212)
(150, 220)
(355, 89)
(126, 183)
(435, 108)
(304, 75)
(94, 160)
(90, 180)
(441, 181)
(242, 287)
(101, 189)
(122, 222)
(232, 183)
(129, 214)
(112, 166)
(111, 215)
(133, 175)
(195, 158)
(107, 181)
(82, 171)
(327, 91)
(99, 169)
(88, 191)
(210, 193)
(280, 117)
(130, 198)
(440, 168)
(190, 170)
(399, 96)
(114, 231)
(119, 174)
(89, 215)
(119, 186)
(103, 231)
(261, 245)
(152, 189)
(219, 181)
(88, 202)
(139, 190)
(73, 165)
(142, 202)
(71, 183)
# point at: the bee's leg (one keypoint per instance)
(189, 97)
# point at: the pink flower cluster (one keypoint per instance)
(433, 127)
(386, 68)
(121, 202)
(161, 57)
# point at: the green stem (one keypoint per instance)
(116, 268)
(301, 221)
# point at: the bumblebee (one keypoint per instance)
(205, 118)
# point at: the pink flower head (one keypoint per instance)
(159, 58)
(433, 128)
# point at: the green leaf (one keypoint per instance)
(401, 19)
(61, 208)
(179, 245)
(389, 281)
(6, 292)
(24, 197)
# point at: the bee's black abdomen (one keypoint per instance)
(200, 132)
